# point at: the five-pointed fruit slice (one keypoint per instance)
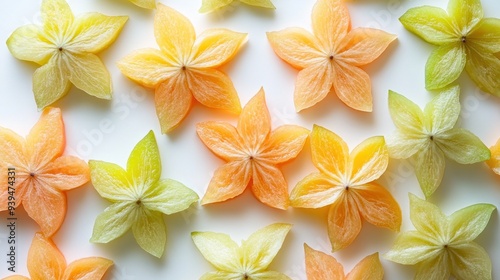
(248, 261)
(443, 245)
(330, 57)
(494, 161)
(252, 152)
(345, 182)
(429, 136)
(139, 198)
(147, 4)
(38, 171)
(65, 48)
(465, 40)
(185, 67)
(45, 261)
(320, 266)
(209, 6)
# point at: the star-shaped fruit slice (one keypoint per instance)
(209, 6)
(147, 4)
(139, 197)
(444, 245)
(345, 183)
(37, 174)
(429, 136)
(494, 161)
(45, 262)
(248, 261)
(464, 39)
(65, 46)
(185, 67)
(320, 266)
(331, 57)
(252, 152)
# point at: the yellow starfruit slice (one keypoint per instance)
(464, 39)
(430, 136)
(209, 6)
(248, 261)
(139, 197)
(65, 47)
(442, 245)
(147, 4)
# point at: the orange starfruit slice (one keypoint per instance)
(41, 174)
(252, 152)
(45, 261)
(345, 183)
(320, 266)
(185, 67)
(331, 57)
(494, 161)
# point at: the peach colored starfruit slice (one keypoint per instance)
(248, 261)
(429, 136)
(331, 57)
(209, 6)
(464, 39)
(65, 47)
(45, 261)
(139, 197)
(345, 183)
(185, 67)
(320, 266)
(444, 245)
(42, 174)
(494, 161)
(252, 152)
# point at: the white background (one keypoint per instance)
(108, 130)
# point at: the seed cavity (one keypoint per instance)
(463, 39)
